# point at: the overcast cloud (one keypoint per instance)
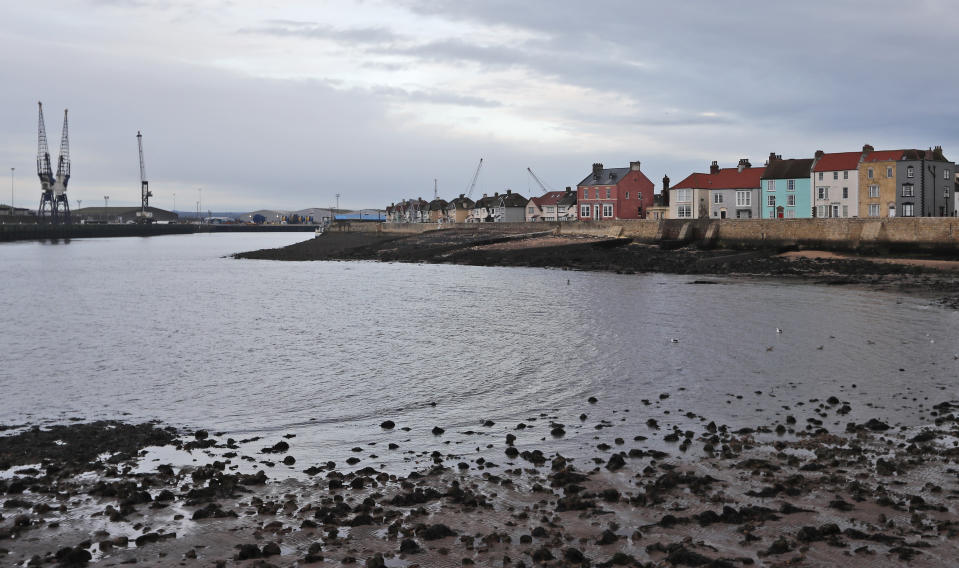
(284, 106)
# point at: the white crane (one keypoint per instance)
(469, 190)
(541, 184)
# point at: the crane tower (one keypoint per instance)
(53, 190)
(145, 215)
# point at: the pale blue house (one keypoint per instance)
(786, 189)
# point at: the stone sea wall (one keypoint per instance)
(900, 234)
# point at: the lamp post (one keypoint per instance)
(174, 202)
(337, 206)
(199, 200)
(11, 190)
(106, 205)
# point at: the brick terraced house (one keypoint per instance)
(614, 193)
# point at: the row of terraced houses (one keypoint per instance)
(868, 183)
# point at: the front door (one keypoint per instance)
(722, 213)
(892, 210)
(596, 212)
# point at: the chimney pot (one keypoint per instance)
(866, 148)
(665, 184)
(820, 154)
(714, 167)
(634, 166)
(597, 170)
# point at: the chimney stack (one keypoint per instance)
(569, 189)
(665, 184)
(866, 148)
(773, 157)
(509, 191)
(634, 166)
(743, 164)
(714, 167)
(819, 154)
(597, 170)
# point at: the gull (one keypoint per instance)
(673, 340)
(779, 330)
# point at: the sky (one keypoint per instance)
(245, 104)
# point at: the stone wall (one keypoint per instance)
(898, 234)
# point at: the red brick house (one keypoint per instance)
(614, 193)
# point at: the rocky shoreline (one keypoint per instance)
(515, 247)
(789, 492)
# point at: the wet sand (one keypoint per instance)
(784, 493)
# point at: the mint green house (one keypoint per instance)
(786, 189)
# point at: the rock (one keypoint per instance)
(876, 425)
(376, 561)
(201, 434)
(289, 460)
(409, 546)
(779, 546)
(591, 400)
(541, 555)
(271, 549)
(608, 537)
(574, 555)
(247, 551)
(557, 432)
(69, 556)
(615, 462)
(436, 532)
(437, 430)
(387, 425)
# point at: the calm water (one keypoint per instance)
(168, 328)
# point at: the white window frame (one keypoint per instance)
(744, 198)
(684, 195)
(822, 193)
(717, 197)
(585, 194)
(869, 173)
(845, 210)
(873, 209)
(684, 211)
(770, 185)
(790, 185)
(908, 190)
(607, 209)
(627, 195)
(945, 174)
(908, 210)
(910, 172)
(820, 176)
(835, 175)
(790, 214)
(845, 174)
(791, 200)
(845, 193)
(889, 173)
(874, 190)
(584, 211)
(770, 201)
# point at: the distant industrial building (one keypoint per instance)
(121, 215)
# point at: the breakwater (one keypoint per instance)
(10, 232)
(939, 235)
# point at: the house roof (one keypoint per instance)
(508, 199)
(607, 176)
(438, 204)
(462, 202)
(883, 156)
(726, 178)
(837, 161)
(548, 198)
(788, 169)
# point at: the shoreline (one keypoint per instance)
(781, 493)
(931, 278)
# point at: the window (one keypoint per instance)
(607, 193)
(791, 200)
(835, 175)
(845, 210)
(744, 199)
(908, 190)
(945, 174)
(907, 210)
(607, 209)
(869, 173)
(531, 210)
(873, 209)
(845, 193)
(596, 194)
(822, 192)
(845, 174)
(684, 211)
(771, 200)
(744, 214)
(772, 214)
(790, 185)
(945, 192)
(910, 172)
(717, 198)
(550, 209)
(627, 195)
(820, 176)
(771, 185)
(584, 211)
(790, 213)
(874, 190)
(585, 194)
(889, 172)
(821, 212)
(684, 195)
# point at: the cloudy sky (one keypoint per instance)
(285, 104)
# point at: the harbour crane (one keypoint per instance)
(53, 196)
(538, 181)
(145, 193)
(469, 190)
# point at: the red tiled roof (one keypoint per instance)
(727, 178)
(548, 198)
(883, 155)
(838, 161)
